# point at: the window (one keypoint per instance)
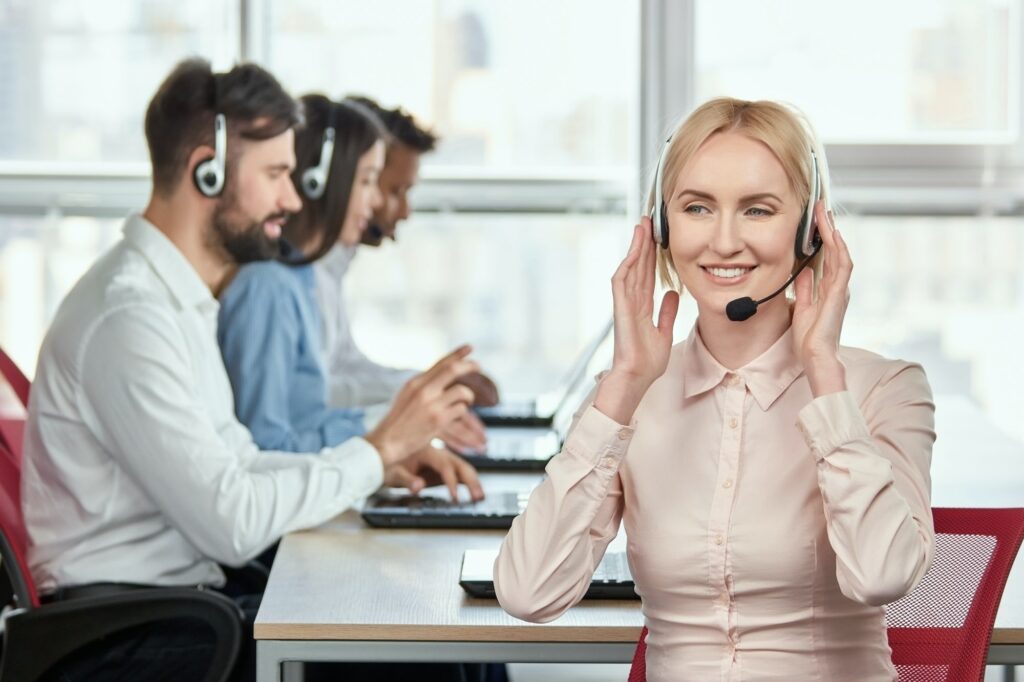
(531, 85)
(76, 76)
(920, 71)
(516, 287)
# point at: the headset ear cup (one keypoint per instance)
(663, 220)
(312, 185)
(206, 177)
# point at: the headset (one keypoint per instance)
(808, 241)
(209, 173)
(314, 179)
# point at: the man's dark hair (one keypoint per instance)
(401, 125)
(180, 115)
(356, 130)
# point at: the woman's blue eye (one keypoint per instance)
(759, 212)
(696, 209)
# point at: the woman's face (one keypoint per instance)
(365, 196)
(732, 222)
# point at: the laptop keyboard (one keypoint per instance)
(495, 504)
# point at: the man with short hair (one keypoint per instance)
(136, 471)
(355, 380)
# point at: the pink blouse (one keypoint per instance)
(765, 528)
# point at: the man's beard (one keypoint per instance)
(241, 239)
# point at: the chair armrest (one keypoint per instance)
(36, 639)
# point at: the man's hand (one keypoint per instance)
(434, 466)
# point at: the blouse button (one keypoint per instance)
(727, 483)
(733, 423)
(719, 539)
(607, 462)
(623, 434)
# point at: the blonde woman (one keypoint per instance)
(773, 485)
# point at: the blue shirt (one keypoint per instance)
(269, 335)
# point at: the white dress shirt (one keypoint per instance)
(354, 379)
(135, 468)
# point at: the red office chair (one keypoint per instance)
(37, 637)
(14, 376)
(940, 632)
(638, 671)
(12, 434)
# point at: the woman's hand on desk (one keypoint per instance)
(426, 404)
(818, 324)
(641, 348)
(434, 466)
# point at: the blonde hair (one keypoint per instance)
(782, 128)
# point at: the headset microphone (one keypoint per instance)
(741, 309)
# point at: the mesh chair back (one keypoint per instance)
(638, 671)
(13, 538)
(12, 434)
(940, 632)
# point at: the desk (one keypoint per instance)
(346, 592)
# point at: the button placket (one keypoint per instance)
(734, 394)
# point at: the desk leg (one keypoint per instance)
(268, 662)
(1009, 673)
(294, 671)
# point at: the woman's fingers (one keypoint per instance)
(803, 290)
(667, 314)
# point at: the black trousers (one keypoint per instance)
(178, 650)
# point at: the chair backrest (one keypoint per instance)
(940, 632)
(12, 434)
(13, 538)
(638, 671)
(15, 377)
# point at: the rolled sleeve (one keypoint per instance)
(830, 422)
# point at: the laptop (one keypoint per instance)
(541, 410)
(429, 510)
(528, 448)
(611, 580)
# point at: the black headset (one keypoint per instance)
(209, 173)
(807, 238)
(314, 179)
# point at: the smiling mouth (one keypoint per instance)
(727, 273)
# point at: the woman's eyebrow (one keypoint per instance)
(745, 199)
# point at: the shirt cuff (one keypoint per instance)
(830, 422)
(599, 440)
(362, 466)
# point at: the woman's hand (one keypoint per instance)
(817, 325)
(424, 407)
(641, 348)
